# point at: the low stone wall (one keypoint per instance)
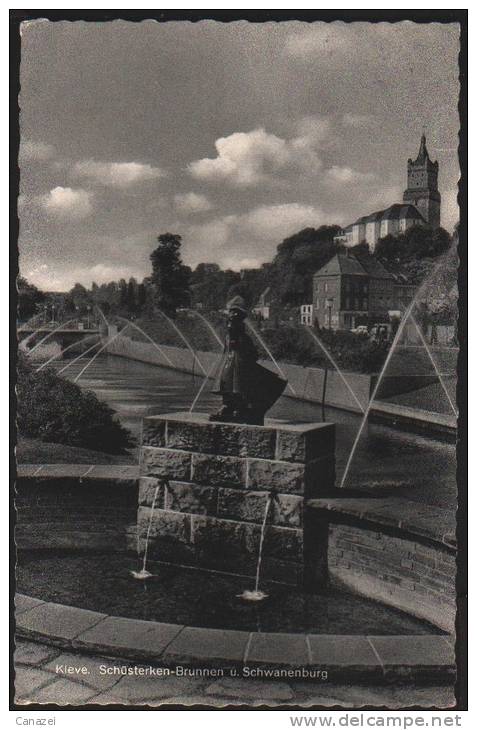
(418, 579)
(74, 513)
(304, 383)
(213, 481)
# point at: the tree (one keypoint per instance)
(131, 300)
(413, 250)
(170, 278)
(29, 297)
(141, 297)
(123, 293)
(298, 257)
(51, 408)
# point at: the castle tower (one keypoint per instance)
(422, 191)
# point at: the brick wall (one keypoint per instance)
(67, 513)
(400, 571)
(212, 483)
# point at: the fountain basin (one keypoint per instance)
(102, 581)
(309, 657)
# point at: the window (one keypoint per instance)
(365, 303)
(326, 286)
(356, 303)
(317, 303)
(348, 303)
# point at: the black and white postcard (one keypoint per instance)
(240, 327)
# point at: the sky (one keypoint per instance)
(232, 135)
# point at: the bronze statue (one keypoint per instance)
(248, 390)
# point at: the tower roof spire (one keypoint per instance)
(423, 153)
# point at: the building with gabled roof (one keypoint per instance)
(352, 289)
(420, 206)
(262, 309)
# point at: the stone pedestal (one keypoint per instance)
(214, 480)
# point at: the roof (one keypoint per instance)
(423, 155)
(356, 265)
(372, 217)
(374, 267)
(341, 263)
(263, 297)
(400, 211)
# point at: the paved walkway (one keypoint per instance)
(45, 674)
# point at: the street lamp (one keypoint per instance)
(89, 310)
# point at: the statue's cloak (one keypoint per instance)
(240, 374)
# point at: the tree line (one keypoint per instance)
(289, 276)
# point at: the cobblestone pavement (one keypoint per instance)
(40, 678)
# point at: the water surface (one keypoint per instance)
(387, 461)
(102, 582)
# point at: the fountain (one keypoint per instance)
(335, 365)
(184, 339)
(47, 336)
(106, 344)
(434, 364)
(82, 354)
(208, 325)
(65, 349)
(158, 348)
(400, 330)
(204, 382)
(258, 595)
(144, 574)
(268, 351)
(102, 314)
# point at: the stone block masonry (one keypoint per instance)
(61, 512)
(397, 570)
(213, 481)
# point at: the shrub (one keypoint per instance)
(295, 345)
(51, 408)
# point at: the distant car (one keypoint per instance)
(360, 330)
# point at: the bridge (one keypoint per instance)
(65, 336)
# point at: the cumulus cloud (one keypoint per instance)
(43, 277)
(275, 222)
(346, 175)
(116, 174)
(61, 278)
(249, 158)
(67, 202)
(356, 120)
(35, 151)
(187, 203)
(248, 239)
(383, 195)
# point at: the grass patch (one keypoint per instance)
(34, 451)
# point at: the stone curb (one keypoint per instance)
(108, 472)
(376, 658)
(400, 514)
